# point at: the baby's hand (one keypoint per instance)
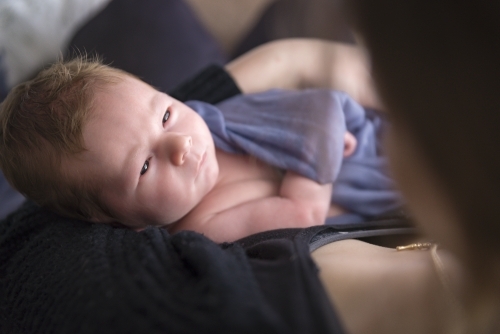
(350, 144)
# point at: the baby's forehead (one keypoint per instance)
(109, 95)
(122, 85)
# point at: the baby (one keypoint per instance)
(93, 142)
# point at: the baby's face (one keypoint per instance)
(153, 155)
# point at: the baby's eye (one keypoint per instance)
(166, 116)
(145, 167)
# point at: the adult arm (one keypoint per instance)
(306, 63)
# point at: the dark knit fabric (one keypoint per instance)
(64, 276)
(212, 85)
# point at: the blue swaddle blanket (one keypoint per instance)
(303, 131)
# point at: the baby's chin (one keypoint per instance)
(143, 225)
(170, 227)
(136, 224)
(116, 223)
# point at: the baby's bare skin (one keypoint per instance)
(243, 180)
(157, 164)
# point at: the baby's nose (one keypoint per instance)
(181, 147)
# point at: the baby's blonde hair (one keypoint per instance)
(41, 122)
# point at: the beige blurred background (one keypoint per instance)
(230, 20)
(33, 32)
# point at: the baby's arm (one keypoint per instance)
(300, 202)
(314, 198)
(306, 63)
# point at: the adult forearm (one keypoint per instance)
(306, 63)
(272, 65)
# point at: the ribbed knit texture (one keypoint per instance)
(64, 276)
(211, 85)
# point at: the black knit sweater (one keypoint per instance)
(59, 275)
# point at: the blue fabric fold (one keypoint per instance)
(303, 131)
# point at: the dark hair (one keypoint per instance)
(41, 121)
(436, 67)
